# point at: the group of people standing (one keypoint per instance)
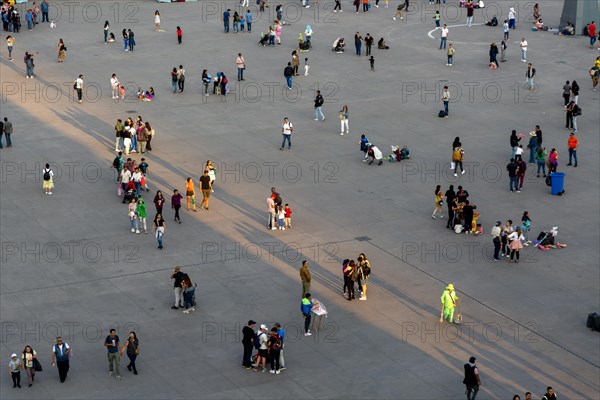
(356, 272)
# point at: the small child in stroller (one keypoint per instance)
(129, 192)
(264, 39)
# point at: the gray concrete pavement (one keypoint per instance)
(71, 265)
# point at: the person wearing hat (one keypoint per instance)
(262, 350)
(532, 146)
(449, 302)
(496, 231)
(248, 335)
(471, 380)
(14, 367)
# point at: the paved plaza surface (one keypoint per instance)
(70, 264)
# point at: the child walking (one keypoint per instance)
(372, 62)
(306, 67)
(450, 55)
(281, 219)
(288, 216)
(179, 35)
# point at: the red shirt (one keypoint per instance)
(592, 30)
(179, 32)
(573, 142)
(288, 212)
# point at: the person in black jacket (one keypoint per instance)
(318, 104)
(471, 380)
(514, 143)
(468, 211)
(451, 203)
(288, 72)
(248, 343)
(368, 43)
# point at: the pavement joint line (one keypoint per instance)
(490, 308)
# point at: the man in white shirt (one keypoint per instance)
(79, 88)
(523, 46)
(271, 211)
(241, 66)
(286, 130)
(114, 86)
(60, 358)
(444, 36)
(125, 177)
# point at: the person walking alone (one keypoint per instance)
(318, 104)
(286, 131)
(241, 66)
(572, 144)
(471, 380)
(60, 357)
(344, 119)
(79, 88)
(443, 36)
(305, 278)
(529, 75)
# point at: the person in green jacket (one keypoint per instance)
(449, 302)
(141, 212)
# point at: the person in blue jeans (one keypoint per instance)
(532, 145)
(357, 43)
(288, 72)
(45, 7)
(249, 21)
(540, 157)
(29, 18)
(512, 176)
(226, 16)
(159, 227)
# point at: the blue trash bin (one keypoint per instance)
(558, 183)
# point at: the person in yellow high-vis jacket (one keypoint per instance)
(449, 300)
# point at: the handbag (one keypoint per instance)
(341, 115)
(136, 351)
(37, 366)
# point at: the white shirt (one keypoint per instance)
(515, 236)
(79, 83)
(445, 95)
(125, 176)
(496, 231)
(262, 338)
(157, 19)
(519, 151)
(114, 82)
(50, 171)
(287, 128)
(511, 15)
(505, 27)
(524, 44)
(64, 346)
(136, 177)
(444, 32)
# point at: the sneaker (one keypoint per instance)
(433, 216)
(342, 134)
(273, 228)
(264, 370)
(186, 311)
(316, 119)
(49, 192)
(132, 230)
(138, 231)
(110, 373)
(118, 377)
(193, 308)
(277, 372)
(283, 229)
(455, 174)
(518, 191)
(272, 371)
(394, 18)
(462, 173)
(362, 298)
(307, 334)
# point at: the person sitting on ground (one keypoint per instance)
(404, 153)
(381, 45)
(538, 25)
(568, 30)
(492, 22)
(111, 38)
(149, 95)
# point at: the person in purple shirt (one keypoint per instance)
(176, 204)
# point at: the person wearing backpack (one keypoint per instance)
(281, 333)
(364, 270)
(274, 345)
(48, 176)
(306, 308)
(248, 336)
(260, 343)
